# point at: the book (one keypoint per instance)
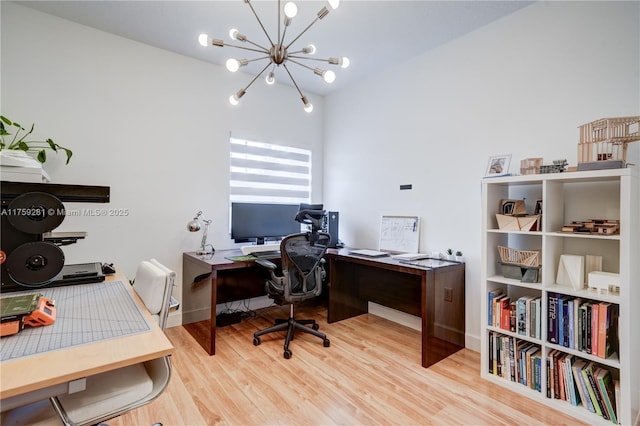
(582, 315)
(603, 314)
(533, 317)
(551, 379)
(562, 387)
(607, 390)
(538, 321)
(566, 315)
(582, 390)
(497, 303)
(556, 354)
(587, 326)
(576, 323)
(512, 316)
(552, 318)
(521, 315)
(571, 325)
(608, 330)
(572, 394)
(536, 359)
(491, 296)
(560, 315)
(594, 328)
(594, 394)
(528, 370)
(505, 313)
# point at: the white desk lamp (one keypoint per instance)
(194, 226)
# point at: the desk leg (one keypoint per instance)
(426, 315)
(344, 292)
(197, 289)
(442, 314)
(214, 303)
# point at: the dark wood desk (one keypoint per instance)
(436, 295)
(213, 279)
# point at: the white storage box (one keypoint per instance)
(604, 282)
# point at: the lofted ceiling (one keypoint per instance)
(372, 34)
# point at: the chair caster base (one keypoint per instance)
(326, 343)
(287, 354)
(256, 341)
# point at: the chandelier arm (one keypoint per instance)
(262, 50)
(299, 63)
(309, 58)
(292, 79)
(257, 76)
(258, 59)
(256, 45)
(303, 31)
(260, 22)
(285, 28)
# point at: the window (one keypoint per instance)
(267, 173)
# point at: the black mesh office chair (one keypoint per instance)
(302, 266)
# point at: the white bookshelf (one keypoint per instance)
(599, 194)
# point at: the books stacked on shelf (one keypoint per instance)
(515, 360)
(521, 315)
(584, 325)
(581, 383)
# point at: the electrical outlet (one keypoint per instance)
(448, 294)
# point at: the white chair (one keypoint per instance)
(110, 394)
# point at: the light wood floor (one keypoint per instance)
(370, 375)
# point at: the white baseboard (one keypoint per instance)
(400, 317)
(178, 318)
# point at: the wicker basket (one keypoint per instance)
(519, 257)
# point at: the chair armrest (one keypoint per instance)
(266, 263)
(174, 304)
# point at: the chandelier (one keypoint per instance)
(278, 52)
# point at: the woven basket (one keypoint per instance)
(519, 257)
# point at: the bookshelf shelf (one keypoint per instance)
(565, 342)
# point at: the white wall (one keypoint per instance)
(519, 86)
(133, 114)
(150, 124)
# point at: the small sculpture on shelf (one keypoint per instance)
(558, 166)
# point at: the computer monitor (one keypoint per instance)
(260, 222)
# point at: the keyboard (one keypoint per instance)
(266, 254)
(253, 249)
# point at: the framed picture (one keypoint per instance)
(498, 165)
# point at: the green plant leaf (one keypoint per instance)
(23, 146)
(52, 144)
(6, 120)
(42, 156)
(69, 154)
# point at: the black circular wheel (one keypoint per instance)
(287, 354)
(326, 343)
(315, 326)
(256, 341)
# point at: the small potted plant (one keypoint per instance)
(14, 137)
(459, 257)
(450, 255)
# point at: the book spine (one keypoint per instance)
(521, 315)
(552, 330)
(538, 323)
(589, 309)
(571, 325)
(603, 315)
(595, 310)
